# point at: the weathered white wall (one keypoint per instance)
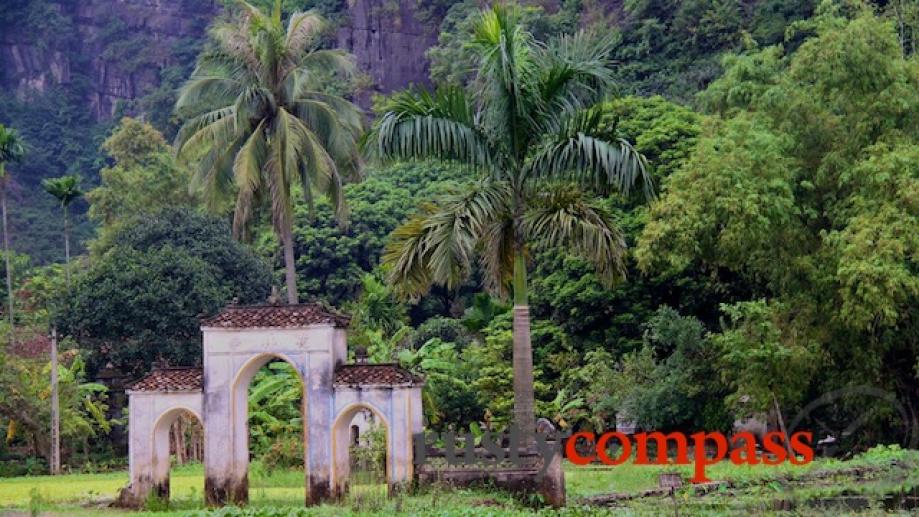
(397, 408)
(231, 358)
(150, 415)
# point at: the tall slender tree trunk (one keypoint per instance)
(524, 414)
(66, 243)
(6, 254)
(55, 410)
(290, 266)
(178, 438)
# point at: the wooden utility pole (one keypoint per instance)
(4, 182)
(55, 410)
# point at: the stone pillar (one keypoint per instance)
(317, 377)
(552, 484)
(161, 459)
(220, 483)
(402, 424)
(341, 443)
(140, 455)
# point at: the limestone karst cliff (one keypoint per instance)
(119, 49)
(389, 41)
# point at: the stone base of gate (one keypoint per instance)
(136, 494)
(521, 480)
(218, 492)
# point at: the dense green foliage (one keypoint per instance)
(777, 263)
(332, 258)
(275, 416)
(143, 178)
(26, 411)
(804, 186)
(140, 299)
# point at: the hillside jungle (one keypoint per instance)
(753, 252)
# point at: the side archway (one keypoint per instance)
(341, 442)
(162, 459)
(155, 402)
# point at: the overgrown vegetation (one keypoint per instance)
(776, 263)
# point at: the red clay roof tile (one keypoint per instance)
(170, 379)
(374, 374)
(275, 316)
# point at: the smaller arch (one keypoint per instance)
(175, 412)
(160, 446)
(341, 433)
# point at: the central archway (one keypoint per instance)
(240, 416)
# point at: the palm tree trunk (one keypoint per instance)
(524, 415)
(290, 266)
(66, 244)
(6, 254)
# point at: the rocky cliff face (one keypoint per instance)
(116, 48)
(389, 41)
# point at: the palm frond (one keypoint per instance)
(497, 255)
(563, 216)
(206, 89)
(194, 126)
(214, 147)
(505, 84)
(304, 31)
(439, 245)
(247, 173)
(65, 188)
(11, 147)
(576, 73)
(421, 125)
(581, 151)
(279, 173)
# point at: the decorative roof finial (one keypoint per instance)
(275, 298)
(360, 355)
(234, 302)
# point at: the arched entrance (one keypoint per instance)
(346, 442)
(164, 443)
(239, 341)
(240, 389)
(156, 402)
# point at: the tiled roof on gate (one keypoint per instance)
(170, 379)
(275, 316)
(374, 374)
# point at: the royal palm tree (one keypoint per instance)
(265, 124)
(66, 190)
(530, 123)
(11, 150)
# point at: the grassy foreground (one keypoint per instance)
(869, 483)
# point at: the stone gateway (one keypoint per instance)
(237, 343)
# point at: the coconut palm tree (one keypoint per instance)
(268, 126)
(67, 190)
(11, 150)
(530, 123)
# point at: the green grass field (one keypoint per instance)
(761, 489)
